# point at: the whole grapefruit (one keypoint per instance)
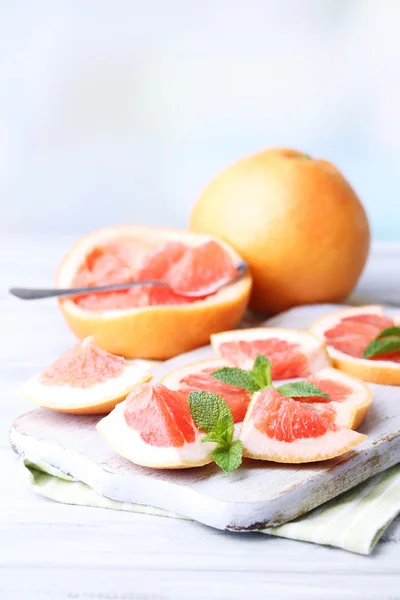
(295, 220)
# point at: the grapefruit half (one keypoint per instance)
(281, 429)
(197, 377)
(292, 353)
(154, 428)
(348, 332)
(151, 322)
(84, 380)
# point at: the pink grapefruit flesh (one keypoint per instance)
(184, 268)
(287, 359)
(287, 420)
(353, 334)
(161, 416)
(236, 398)
(83, 366)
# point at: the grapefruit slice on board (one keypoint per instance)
(281, 429)
(84, 380)
(348, 332)
(292, 353)
(197, 376)
(152, 322)
(349, 398)
(154, 428)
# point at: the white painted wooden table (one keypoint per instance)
(52, 551)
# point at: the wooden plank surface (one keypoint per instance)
(51, 551)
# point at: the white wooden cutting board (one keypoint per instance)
(257, 495)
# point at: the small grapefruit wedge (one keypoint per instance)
(349, 398)
(292, 353)
(280, 429)
(197, 377)
(154, 428)
(152, 322)
(348, 332)
(84, 380)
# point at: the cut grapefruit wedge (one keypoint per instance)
(348, 332)
(280, 429)
(154, 428)
(349, 398)
(197, 377)
(152, 322)
(292, 353)
(84, 380)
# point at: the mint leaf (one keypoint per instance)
(212, 414)
(237, 377)
(229, 458)
(208, 410)
(389, 331)
(261, 371)
(382, 346)
(301, 389)
(222, 433)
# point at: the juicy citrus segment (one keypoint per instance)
(201, 268)
(154, 428)
(84, 380)
(283, 430)
(348, 332)
(197, 377)
(349, 398)
(292, 353)
(286, 358)
(185, 269)
(83, 366)
(353, 334)
(161, 416)
(287, 420)
(150, 322)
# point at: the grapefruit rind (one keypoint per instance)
(312, 347)
(153, 332)
(351, 412)
(259, 446)
(377, 371)
(99, 399)
(128, 443)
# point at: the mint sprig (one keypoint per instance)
(260, 378)
(213, 416)
(386, 342)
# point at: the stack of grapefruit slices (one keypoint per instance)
(263, 412)
(154, 426)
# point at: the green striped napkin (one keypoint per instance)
(363, 512)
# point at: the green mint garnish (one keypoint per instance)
(261, 372)
(382, 346)
(212, 414)
(260, 378)
(237, 377)
(229, 458)
(389, 332)
(301, 389)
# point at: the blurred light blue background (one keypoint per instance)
(122, 111)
